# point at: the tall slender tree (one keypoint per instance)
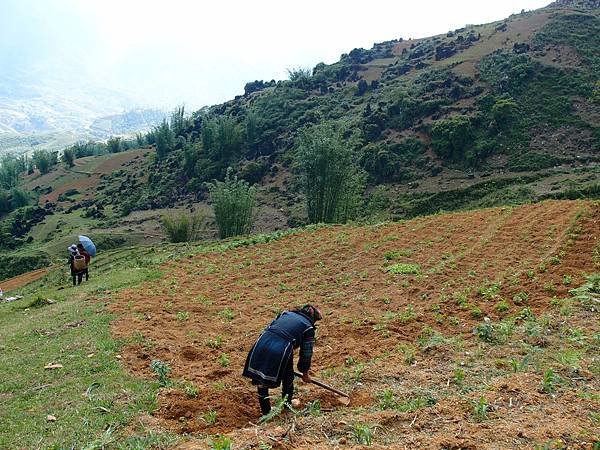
(333, 182)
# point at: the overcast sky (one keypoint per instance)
(199, 52)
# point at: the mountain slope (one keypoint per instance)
(497, 114)
(509, 109)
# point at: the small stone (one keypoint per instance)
(53, 366)
(296, 403)
(51, 418)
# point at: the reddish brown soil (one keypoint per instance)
(22, 280)
(366, 329)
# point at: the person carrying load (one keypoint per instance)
(82, 251)
(77, 264)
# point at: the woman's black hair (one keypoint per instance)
(312, 312)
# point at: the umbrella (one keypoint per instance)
(88, 245)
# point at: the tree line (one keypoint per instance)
(332, 180)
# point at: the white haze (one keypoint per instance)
(194, 52)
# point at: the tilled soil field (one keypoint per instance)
(23, 279)
(449, 331)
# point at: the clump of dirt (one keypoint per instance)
(232, 409)
(412, 350)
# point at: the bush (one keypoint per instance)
(114, 144)
(298, 73)
(10, 169)
(5, 206)
(505, 112)
(164, 139)
(68, 157)
(19, 198)
(507, 72)
(17, 224)
(233, 202)
(451, 137)
(257, 85)
(178, 121)
(390, 161)
(531, 161)
(254, 171)
(107, 242)
(222, 138)
(580, 31)
(181, 228)
(44, 160)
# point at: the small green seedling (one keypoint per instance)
(363, 433)
(182, 316)
(226, 314)
(190, 390)
(387, 399)
(549, 381)
(161, 369)
(459, 376)
(485, 331)
(210, 417)
(391, 255)
(275, 411)
(502, 306)
(408, 314)
(480, 410)
(224, 360)
(521, 298)
(222, 443)
(313, 408)
(476, 312)
(216, 342)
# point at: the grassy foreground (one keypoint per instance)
(91, 397)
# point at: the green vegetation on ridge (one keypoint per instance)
(502, 113)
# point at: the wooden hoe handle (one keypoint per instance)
(323, 385)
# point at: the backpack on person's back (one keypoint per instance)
(79, 262)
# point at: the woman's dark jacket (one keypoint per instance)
(269, 356)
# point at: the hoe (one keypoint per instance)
(346, 398)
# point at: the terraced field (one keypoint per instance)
(449, 331)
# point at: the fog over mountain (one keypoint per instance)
(66, 63)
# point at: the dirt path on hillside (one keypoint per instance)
(22, 280)
(205, 314)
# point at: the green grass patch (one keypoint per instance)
(92, 396)
(404, 269)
